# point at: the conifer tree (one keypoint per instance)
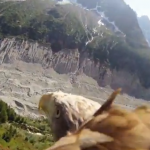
(3, 115)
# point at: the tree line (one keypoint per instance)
(7, 114)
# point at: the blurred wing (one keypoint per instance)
(67, 140)
(143, 112)
(107, 105)
(88, 138)
(98, 113)
(85, 139)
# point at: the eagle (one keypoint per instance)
(110, 128)
(66, 112)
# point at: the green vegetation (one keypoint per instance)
(32, 20)
(19, 133)
(122, 56)
(61, 27)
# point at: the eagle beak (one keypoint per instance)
(40, 110)
(43, 102)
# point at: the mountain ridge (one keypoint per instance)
(144, 23)
(110, 11)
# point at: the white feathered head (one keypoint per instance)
(66, 112)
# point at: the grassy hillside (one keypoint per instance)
(18, 133)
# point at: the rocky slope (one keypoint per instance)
(69, 61)
(29, 69)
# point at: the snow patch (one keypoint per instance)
(63, 2)
(103, 16)
(100, 22)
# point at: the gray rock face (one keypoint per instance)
(67, 61)
(29, 69)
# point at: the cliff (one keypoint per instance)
(72, 62)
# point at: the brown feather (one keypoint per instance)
(108, 102)
(84, 139)
(143, 113)
(111, 128)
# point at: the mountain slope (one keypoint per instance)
(144, 23)
(122, 15)
(71, 27)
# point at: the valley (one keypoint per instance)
(22, 84)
